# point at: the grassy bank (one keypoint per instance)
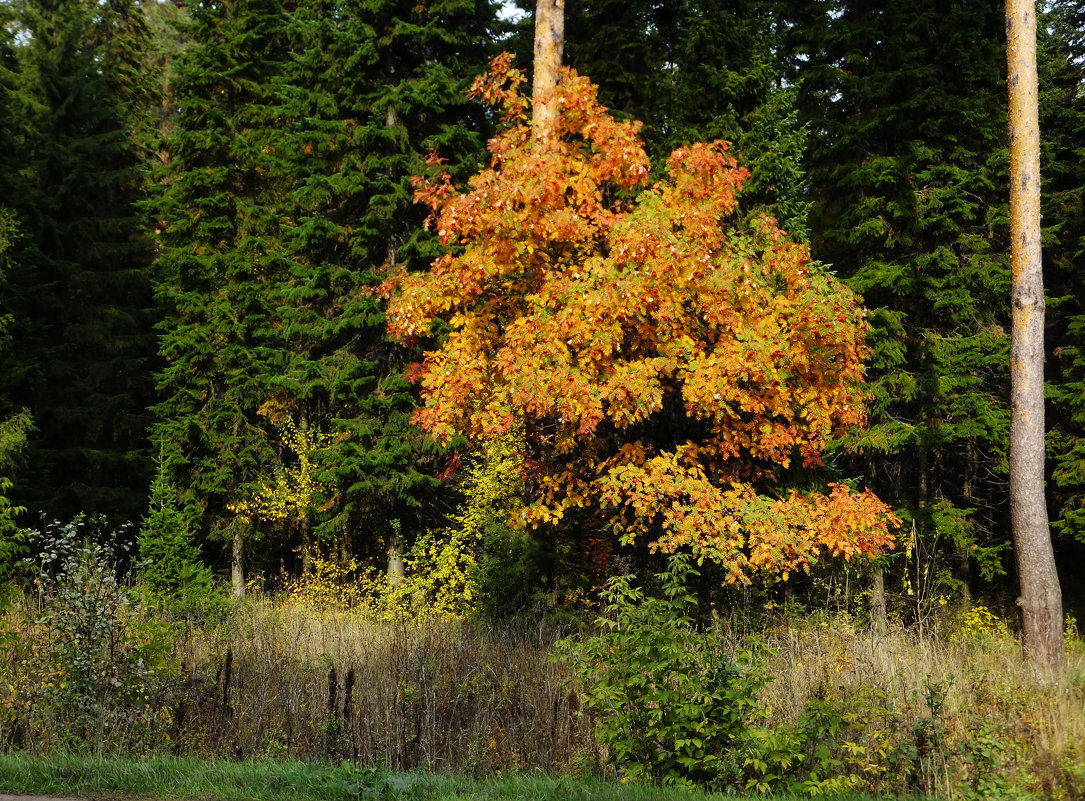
(166, 778)
(952, 714)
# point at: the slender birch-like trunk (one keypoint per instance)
(237, 565)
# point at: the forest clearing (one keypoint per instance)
(414, 399)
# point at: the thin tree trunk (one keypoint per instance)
(396, 570)
(237, 566)
(306, 522)
(549, 43)
(1041, 598)
(962, 568)
(879, 612)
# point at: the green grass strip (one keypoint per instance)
(181, 779)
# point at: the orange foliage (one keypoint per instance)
(665, 359)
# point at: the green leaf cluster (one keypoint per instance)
(671, 702)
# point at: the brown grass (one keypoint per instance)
(443, 696)
(949, 715)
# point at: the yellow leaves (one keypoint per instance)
(291, 495)
(597, 310)
(442, 569)
(330, 582)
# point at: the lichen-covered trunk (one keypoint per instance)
(549, 43)
(1041, 598)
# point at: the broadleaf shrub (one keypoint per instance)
(85, 666)
(671, 702)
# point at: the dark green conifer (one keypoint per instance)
(906, 102)
(288, 190)
(171, 563)
(372, 88)
(221, 263)
(79, 291)
(1061, 64)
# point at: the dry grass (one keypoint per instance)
(971, 692)
(956, 716)
(448, 697)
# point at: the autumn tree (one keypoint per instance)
(665, 360)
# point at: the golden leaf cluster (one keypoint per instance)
(664, 358)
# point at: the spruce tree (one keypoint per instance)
(13, 114)
(13, 429)
(373, 87)
(1062, 128)
(79, 291)
(288, 189)
(221, 264)
(908, 168)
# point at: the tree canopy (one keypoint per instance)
(665, 359)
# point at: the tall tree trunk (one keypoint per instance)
(549, 43)
(1041, 598)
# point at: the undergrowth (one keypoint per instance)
(814, 705)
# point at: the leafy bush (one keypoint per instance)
(331, 583)
(85, 666)
(845, 740)
(671, 702)
(478, 564)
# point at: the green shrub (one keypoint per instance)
(671, 702)
(175, 578)
(85, 666)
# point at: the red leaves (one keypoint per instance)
(587, 304)
(500, 89)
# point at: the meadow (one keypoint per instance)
(810, 704)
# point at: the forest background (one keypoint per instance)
(198, 204)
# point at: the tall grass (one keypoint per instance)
(956, 715)
(966, 695)
(286, 680)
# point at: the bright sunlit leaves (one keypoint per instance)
(291, 495)
(665, 362)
